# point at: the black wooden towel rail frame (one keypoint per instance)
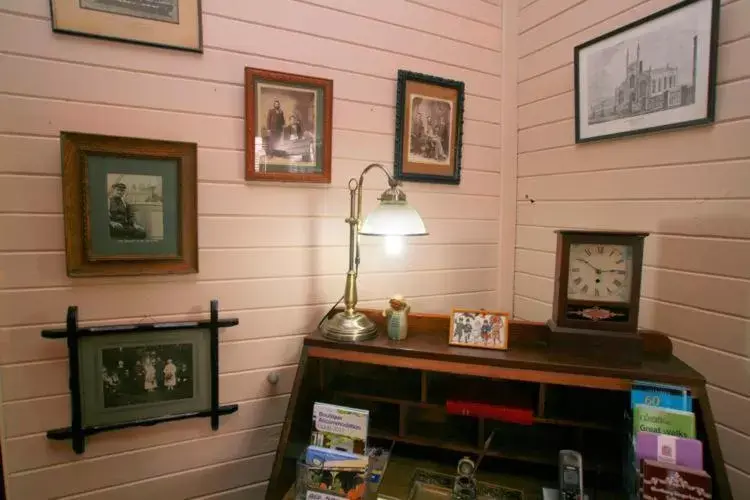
(72, 333)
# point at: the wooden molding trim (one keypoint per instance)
(558, 378)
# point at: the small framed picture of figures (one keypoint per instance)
(429, 124)
(288, 123)
(479, 328)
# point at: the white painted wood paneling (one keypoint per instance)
(273, 254)
(689, 188)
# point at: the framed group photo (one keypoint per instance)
(479, 328)
(129, 377)
(130, 205)
(657, 73)
(173, 24)
(288, 126)
(429, 128)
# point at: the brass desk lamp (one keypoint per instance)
(393, 217)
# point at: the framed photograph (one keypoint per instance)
(429, 128)
(657, 73)
(288, 126)
(479, 328)
(127, 377)
(163, 23)
(130, 205)
(140, 374)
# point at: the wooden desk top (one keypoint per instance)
(527, 359)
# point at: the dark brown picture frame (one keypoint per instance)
(80, 260)
(254, 76)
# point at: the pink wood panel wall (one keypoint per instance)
(690, 189)
(274, 255)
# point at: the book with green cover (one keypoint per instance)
(663, 421)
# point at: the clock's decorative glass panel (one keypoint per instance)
(600, 273)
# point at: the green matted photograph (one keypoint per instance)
(126, 377)
(130, 205)
(288, 126)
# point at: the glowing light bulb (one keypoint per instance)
(394, 245)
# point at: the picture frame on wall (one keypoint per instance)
(429, 128)
(130, 205)
(289, 122)
(140, 374)
(175, 24)
(479, 328)
(658, 73)
(126, 377)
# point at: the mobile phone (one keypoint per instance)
(571, 475)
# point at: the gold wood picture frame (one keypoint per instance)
(479, 328)
(174, 24)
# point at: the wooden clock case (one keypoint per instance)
(603, 336)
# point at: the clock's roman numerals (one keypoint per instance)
(620, 261)
(588, 252)
(576, 270)
(596, 292)
(577, 281)
(600, 249)
(620, 271)
(609, 292)
(617, 283)
(585, 289)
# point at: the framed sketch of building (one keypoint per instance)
(654, 74)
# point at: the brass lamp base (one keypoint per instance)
(349, 327)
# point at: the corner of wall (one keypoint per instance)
(509, 150)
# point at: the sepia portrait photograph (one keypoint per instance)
(479, 328)
(287, 119)
(429, 119)
(655, 74)
(288, 126)
(429, 138)
(136, 207)
(147, 374)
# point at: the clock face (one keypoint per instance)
(600, 272)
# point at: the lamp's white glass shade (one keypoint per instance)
(393, 218)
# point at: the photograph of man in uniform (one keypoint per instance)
(136, 207)
(122, 224)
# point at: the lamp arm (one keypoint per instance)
(355, 221)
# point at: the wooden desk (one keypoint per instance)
(404, 384)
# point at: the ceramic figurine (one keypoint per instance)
(396, 318)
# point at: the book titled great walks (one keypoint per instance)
(663, 421)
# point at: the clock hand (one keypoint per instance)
(590, 264)
(613, 270)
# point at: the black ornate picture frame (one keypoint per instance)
(429, 128)
(141, 374)
(658, 73)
